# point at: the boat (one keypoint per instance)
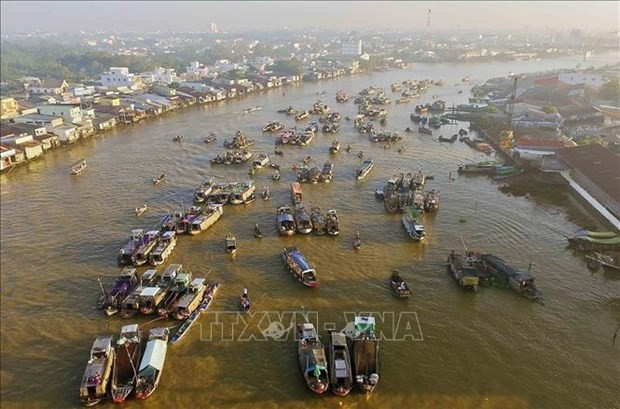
(425, 130)
(297, 264)
(285, 222)
(140, 209)
(210, 214)
(327, 173)
(131, 304)
(152, 363)
(178, 138)
(152, 297)
(312, 358)
(127, 254)
(174, 294)
(266, 193)
(365, 354)
(159, 179)
(596, 260)
(335, 148)
(332, 223)
(252, 109)
(231, 244)
(78, 167)
(276, 175)
(400, 286)
(296, 193)
(122, 287)
(303, 222)
(273, 126)
(96, 378)
(403, 100)
(203, 191)
(451, 139)
(242, 193)
(167, 243)
(379, 194)
(414, 229)
(518, 280)
(258, 233)
(431, 201)
(357, 241)
(261, 161)
(239, 141)
(595, 241)
(487, 167)
(210, 138)
(128, 352)
(190, 301)
(463, 269)
(202, 307)
(302, 115)
(364, 169)
(340, 368)
(318, 220)
(244, 301)
(146, 244)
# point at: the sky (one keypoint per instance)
(239, 16)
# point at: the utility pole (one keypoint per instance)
(428, 24)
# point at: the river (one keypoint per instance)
(450, 349)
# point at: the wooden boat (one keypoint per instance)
(122, 287)
(302, 115)
(327, 173)
(174, 294)
(231, 244)
(78, 167)
(178, 138)
(152, 297)
(463, 269)
(403, 100)
(364, 169)
(296, 193)
(276, 175)
(285, 222)
(252, 109)
(365, 354)
(131, 305)
(159, 179)
(127, 254)
(596, 260)
(431, 201)
(335, 148)
(146, 244)
(261, 161)
(202, 307)
(244, 301)
(318, 220)
(332, 223)
(258, 233)
(425, 130)
(451, 139)
(414, 229)
(266, 193)
(303, 223)
(203, 191)
(242, 193)
(595, 241)
(400, 286)
(211, 214)
(190, 301)
(486, 167)
(312, 358)
(210, 138)
(273, 126)
(300, 267)
(140, 209)
(518, 280)
(357, 241)
(128, 352)
(167, 243)
(152, 363)
(340, 368)
(96, 378)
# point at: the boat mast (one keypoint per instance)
(101, 286)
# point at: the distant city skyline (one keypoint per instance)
(236, 16)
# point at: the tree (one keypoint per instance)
(611, 90)
(589, 140)
(549, 109)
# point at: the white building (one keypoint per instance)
(353, 47)
(119, 77)
(163, 75)
(197, 69)
(578, 78)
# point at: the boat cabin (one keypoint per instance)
(192, 298)
(150, 297)
(364, 326)
(129, 333)
(296, 193)
(149, 275)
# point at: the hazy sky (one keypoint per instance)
(345, 15)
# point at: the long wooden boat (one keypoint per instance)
(131, 305)
(312, 359)
(414, 228)
(303, 221)
(210, 214)
(127, 254)
(175, 293)
(399, 286)
(296, 193)
(364, 169)
(332, 222)
(285, 222)
(151, 298)
(78, 167)
(148, 242)
(365, 354)
(242, 193)
(244, 301)
(127, 358)
(152, 363)
(190, 301)
(431, 201)
(203, 306)
(96, 378)
(518, 280)
(301, 269)
(463, 269)
(167, 243)
(122, 287)
(340, 368)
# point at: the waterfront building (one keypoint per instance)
(71, 113)
(51, 87)
(7, 158)
(352, 47)
(159, 75)
(120, 77)
(196, 70)
(581, 78)
(8, 108)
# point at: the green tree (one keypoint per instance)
(589, 140)
(549, 109)
(611, 90)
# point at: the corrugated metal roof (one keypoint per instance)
(154, 355)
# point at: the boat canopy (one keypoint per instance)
(154, 355)
(150, 291)
(300, 260)
(172, 270)
(364, 324)
(149, 274)
(101, 344)
(339, 339)
(196, 283)
(506, 270)
(168, 235)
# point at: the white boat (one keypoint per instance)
(203, 306)
(166, 245)
(190, 300)
(285, 222)
(414, 229)
(152, 362)
(141, 209)
(364, 169)
(261, 161)
(94, 386)
(231, 244)
(77, 167)
(210, 215)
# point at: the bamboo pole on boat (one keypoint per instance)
(101, 286)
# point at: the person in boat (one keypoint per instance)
(349, 148)
(408, 129)
(396, 277)
(360, 154)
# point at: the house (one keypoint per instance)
(32, 149)
(103, 122)
(110, 100)
(611, 115)
(575, 113)
(8, 108)
(120, 77)
(26, 107)
(595, 170)
(197, 70)
(159, 75)
(538, 119)
(48, 121)
(124, 114)
(67, 134)
(536, 149)
(39, 133)
(7, 158)
(579, 78)
(71, 113)
(51, 87)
